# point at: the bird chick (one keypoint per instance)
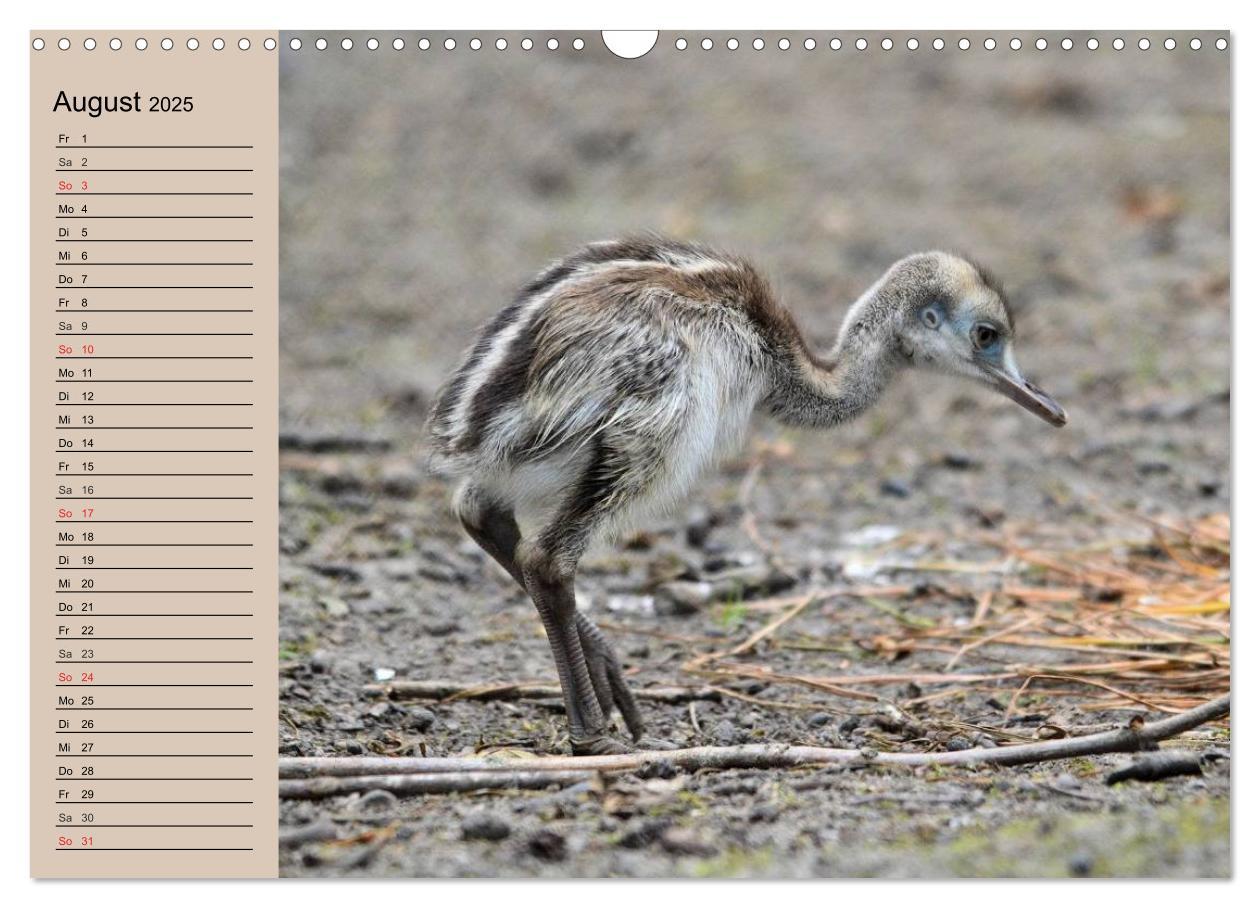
(600, 395)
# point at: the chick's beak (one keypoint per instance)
(1008, 382)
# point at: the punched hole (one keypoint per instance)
(629, 45)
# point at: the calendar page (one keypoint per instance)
(668, 454)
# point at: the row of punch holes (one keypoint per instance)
(887, 44)
(192, 43)
(760, 44)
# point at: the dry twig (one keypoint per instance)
(315, 777)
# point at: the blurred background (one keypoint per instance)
(422, 188)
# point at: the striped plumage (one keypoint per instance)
(615, 377)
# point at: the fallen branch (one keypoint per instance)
(326, 786)
(1163, 765)
(522, 690)
(313, 777)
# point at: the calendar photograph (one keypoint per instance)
(778, 455)
(563, 454)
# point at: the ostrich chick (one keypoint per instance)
(620, 373)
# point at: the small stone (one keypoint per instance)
(725, 733)
(442, 628)
(548, 846)
(699, 526)
(670, 566)
(893, 724)
(420, 719)
(872, 535)
(817, 720)
(642, 834)
(1081, 864)
(683, 597)
(351, 747)
(1067, 780)
(657, 769)
(336, 608)
(488, 827)
(641, 651)
(895, 488)
(687, 842)
(634, 605)
(849, 724)
(758, 579)
(958, 742)
(344, 572)
(383, 674)
(958, 460)
(320, 661)
(378, 800)
(763, 813)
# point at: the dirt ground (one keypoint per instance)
(421, 188)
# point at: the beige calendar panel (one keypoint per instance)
(154, 381)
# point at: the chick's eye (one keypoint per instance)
(931, 317)
(985, 336)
